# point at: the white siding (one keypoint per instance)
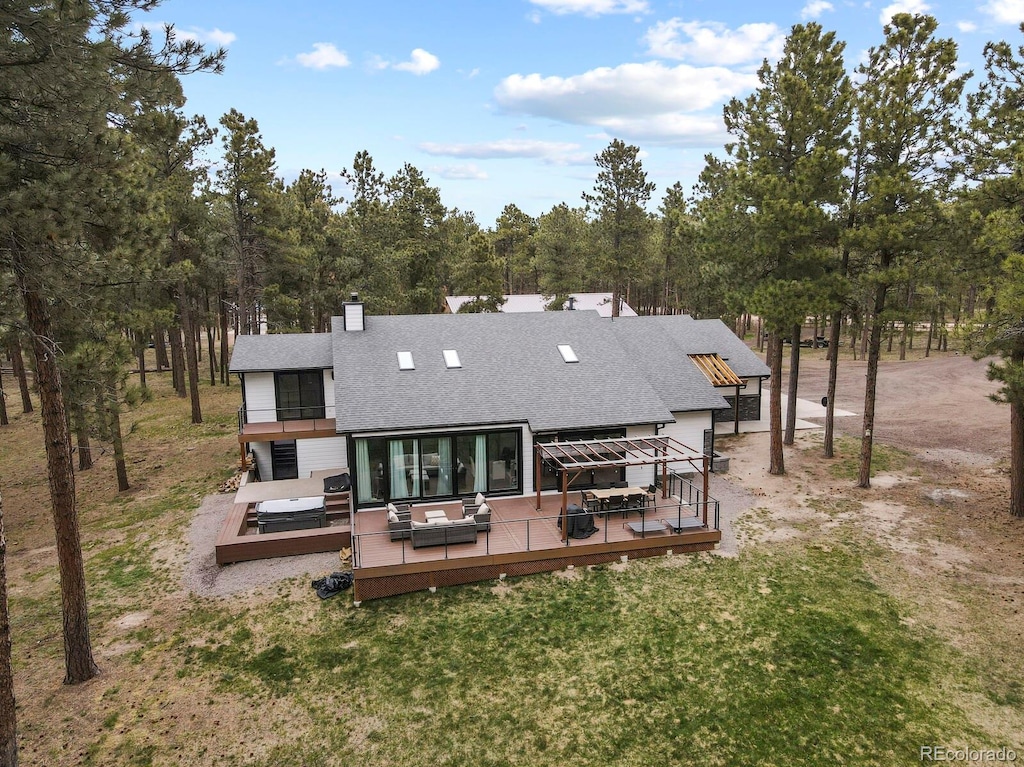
(261, 452)
(322, 453)
(688, 429)
(640, 476)
(260, 399)
(328, 398)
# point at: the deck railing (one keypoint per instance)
(674, 511)
(273, 414)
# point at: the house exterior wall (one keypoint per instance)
(750, 403)
(641, 476)
(322, 453)
(261, 452)
(260, 400)
(689, 429)
(261, 397)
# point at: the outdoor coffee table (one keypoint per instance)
(434, 514)
(646, 526)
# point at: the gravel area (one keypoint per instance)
(204, 577)
(733, 499)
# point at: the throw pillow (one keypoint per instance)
(392, 516)
(480, 500)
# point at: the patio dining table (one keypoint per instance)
(604, 493)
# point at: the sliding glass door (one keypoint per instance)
(436, 466)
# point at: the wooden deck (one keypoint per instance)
(521, 541)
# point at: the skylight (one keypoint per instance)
(405, 361)
(567, 353)
(451, 359)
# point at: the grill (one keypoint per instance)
(291, 514)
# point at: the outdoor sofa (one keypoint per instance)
(439, 533)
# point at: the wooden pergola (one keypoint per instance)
(718, 372)
(571, 459)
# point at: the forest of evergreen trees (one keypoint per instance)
(871, 198)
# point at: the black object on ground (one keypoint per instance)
(333, 584)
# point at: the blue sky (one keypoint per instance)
(508, 101)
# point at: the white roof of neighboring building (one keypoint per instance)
(535, 302)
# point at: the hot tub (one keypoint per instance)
(291, 514)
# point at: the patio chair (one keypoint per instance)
(619, 484)
(633, 501)
(651, 496)
(614, 502)
(589, 502)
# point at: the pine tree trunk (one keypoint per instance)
(114, 416)
(140, 352)
(81, 426)
(18, 366)
(794, 378)
(78, 659)
(177, 362)
(192, 363)
(870, 387)
(835, 332)
(160, 349)
(776, 462)
(4, 421)
(8, 717)
(224, 376)
(1017, 451)
(211, 354)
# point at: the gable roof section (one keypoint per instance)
(511, 372)
(712, 337)
(656, 356)
(282, 351)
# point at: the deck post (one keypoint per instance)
(664, 480)
(735, 412)
(537, 472)
(241, 462)
(707, 462)
(565, 504)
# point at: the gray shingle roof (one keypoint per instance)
(281, 351)
(511, 372)
(711, 337)
(681, 386)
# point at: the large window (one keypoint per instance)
(418, 468)
(300, 394)
(599, 477)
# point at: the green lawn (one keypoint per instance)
(789, 658)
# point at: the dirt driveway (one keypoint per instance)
(937, 407)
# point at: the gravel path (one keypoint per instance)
(204, 577)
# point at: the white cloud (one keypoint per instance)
(592, 7)
(709, 42)
(323, 56)
(420, 63)
(967, 26)
(1005, 11)
(214, 36)
(468, 172)
(550, 152)
(628, 89)
(815, 8)
(903, 6)
(647, 101)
